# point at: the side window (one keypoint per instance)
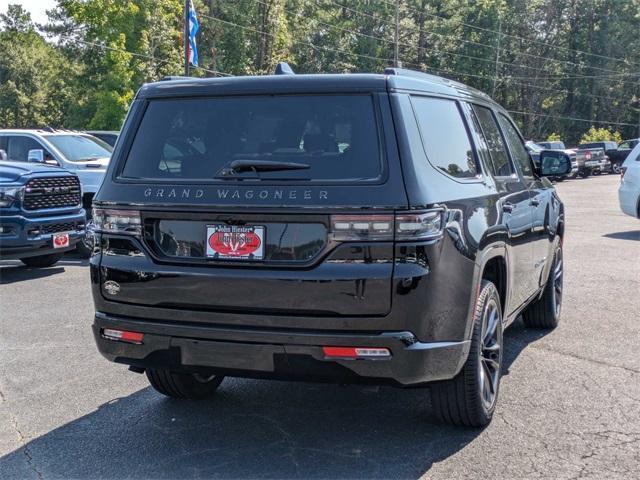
(499, 164)
(622, 146)
(444, 136)
(18, 147)
(516, 146)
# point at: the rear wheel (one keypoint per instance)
(470, 398)
(42, 260)
(545, 312)
(183, 385)
(616, 168)
(584, 173)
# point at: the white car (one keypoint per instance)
(629, 191)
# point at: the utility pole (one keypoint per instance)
(396, 36)
(495, 75)
(186, 38)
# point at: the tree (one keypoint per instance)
(600, 135)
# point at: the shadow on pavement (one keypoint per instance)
(12, 271)
(253, 429)
(631, 235)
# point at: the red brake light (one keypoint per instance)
(123, 335)
(356, 352)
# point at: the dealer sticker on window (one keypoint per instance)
(235, 242)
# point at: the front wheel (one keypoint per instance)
(42, 261)
(469, 399)
(545, 312)
(183, 385)
(616, 168)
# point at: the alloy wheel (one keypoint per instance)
(490, 354)
(557, 282)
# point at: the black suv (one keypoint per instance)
(349, 228)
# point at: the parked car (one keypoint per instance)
(619, 155)
(554, 145)
(611, 151)
(41, 214)
(107, 136)
(590, 161)
(629, 191)
(83, 154)
(347, 228)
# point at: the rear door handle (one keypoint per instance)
(534, 202)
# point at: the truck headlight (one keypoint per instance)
(10, 194)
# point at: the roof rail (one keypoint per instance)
(283, 68)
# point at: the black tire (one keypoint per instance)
(545, 312)
(584, 173)
(597, 172)
(183, 385)
(461, 401)
(42, 261)
(615, 168)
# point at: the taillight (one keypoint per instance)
(402, 226)
(117, 221)
(123, 336)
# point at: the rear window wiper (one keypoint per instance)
(256, 166)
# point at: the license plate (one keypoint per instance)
(60, 240)
(235, 242)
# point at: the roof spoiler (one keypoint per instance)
(283, 68)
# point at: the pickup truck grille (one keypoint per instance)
(52, 192)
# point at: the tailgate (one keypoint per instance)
(301, 270)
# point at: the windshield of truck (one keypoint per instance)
(77, 148)
(275, 137)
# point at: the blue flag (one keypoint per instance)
(194, 26)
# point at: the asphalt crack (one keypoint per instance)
(23, 439)
(586, 359)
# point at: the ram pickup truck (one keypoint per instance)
(80, 153)
(610, 150)
(587, 161)
(41, 214)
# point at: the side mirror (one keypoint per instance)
(3, 155)
(36, 155)
(554, 164)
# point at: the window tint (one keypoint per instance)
(499, 164)
(335, 135)
(518, 152)
(18, 147)
(445, 137)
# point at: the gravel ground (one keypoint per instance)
(569, 404)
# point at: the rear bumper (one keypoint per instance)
(275, 353)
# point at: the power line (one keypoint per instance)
(572, 118)
(518, 52)
(316, 47)
(540, 42)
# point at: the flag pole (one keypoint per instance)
(186, 38)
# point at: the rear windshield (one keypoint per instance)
(325, 137)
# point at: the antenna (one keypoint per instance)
(283, 68)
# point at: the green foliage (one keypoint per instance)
(600, 135)
(553, 137)
(558, 65)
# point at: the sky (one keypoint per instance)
(37, 8)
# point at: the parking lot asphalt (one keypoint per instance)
(569, 403)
